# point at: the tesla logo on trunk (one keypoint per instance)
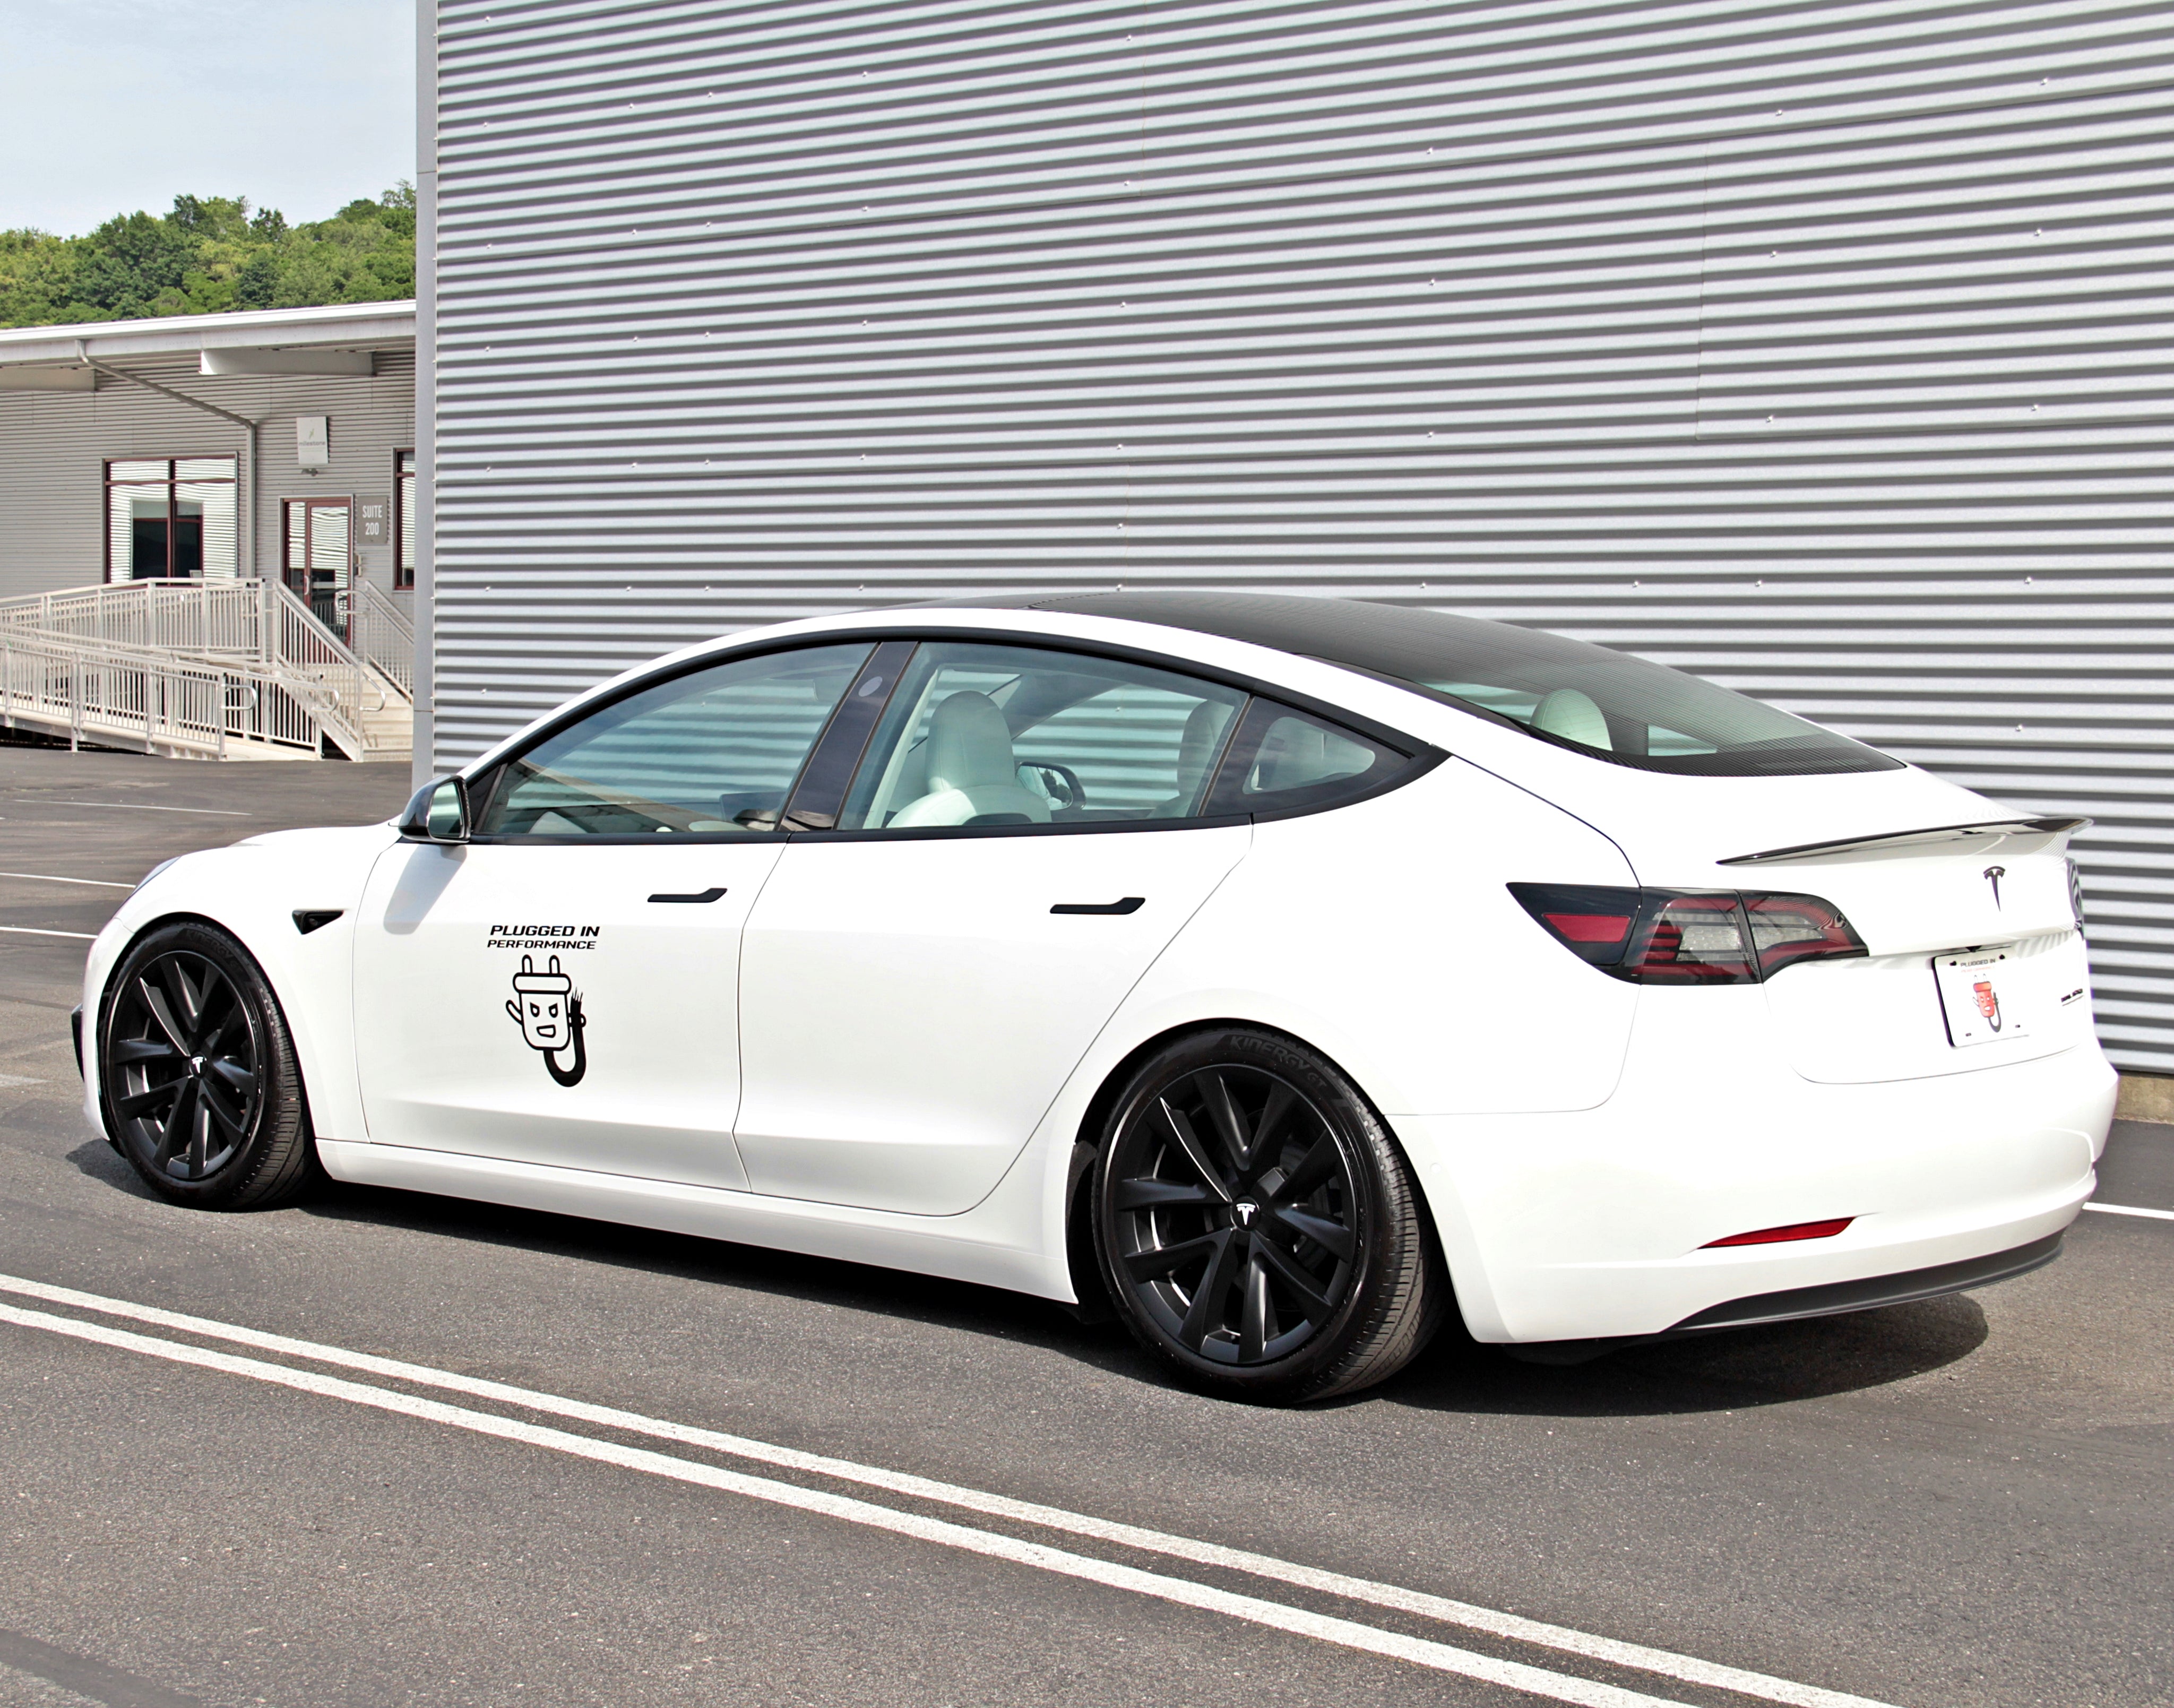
(1992, 875)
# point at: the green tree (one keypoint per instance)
(208, 254)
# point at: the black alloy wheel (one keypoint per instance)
(1257, 1226)
(196, 1074)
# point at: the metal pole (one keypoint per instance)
(422, 684)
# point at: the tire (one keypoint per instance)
(1257, 1227)
(197, 1074)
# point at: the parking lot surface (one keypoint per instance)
(1956, 1503)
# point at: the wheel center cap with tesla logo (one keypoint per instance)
(196, 1065)
(1247, 1212)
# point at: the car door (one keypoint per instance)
(561, 989)
(1024, 836)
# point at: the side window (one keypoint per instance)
(712, 752)
(980, 736)
(1282, 761)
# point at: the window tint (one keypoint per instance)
(980, 736)
(1284, 760)
(712, 752)
(1604, 702)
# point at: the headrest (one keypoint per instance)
(969, 744)
(1575, 716)
(1197, 746)
(1294, 754)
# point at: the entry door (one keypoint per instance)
(562, 989)
(318, 556)
(1021, 843)
(561, 1004)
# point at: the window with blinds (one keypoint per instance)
(172, 518)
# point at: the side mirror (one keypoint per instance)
(438, 812)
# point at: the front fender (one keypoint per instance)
(252, 890)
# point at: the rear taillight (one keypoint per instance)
(1786, 929)
(1676, 936)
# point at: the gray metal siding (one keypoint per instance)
(54, 446)
(1819, 349)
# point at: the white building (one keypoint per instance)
(161, 482)
(280, 444)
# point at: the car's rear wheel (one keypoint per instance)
(197, 1075)
(1257, 1226)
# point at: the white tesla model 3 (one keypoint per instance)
(1275, 972)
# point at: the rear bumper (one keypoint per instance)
(1832, 1299)
(1595, 1224)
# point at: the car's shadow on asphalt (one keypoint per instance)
(1732, 1369)
(831, 1282)
(1729, 1370)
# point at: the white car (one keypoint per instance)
(1275, 972)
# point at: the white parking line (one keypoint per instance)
(48, 877)
(1345, 1633)
(130, 806)
(2132, 1210)
(33, 931)
(1684, 1668)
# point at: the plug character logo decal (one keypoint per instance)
(548, 1009)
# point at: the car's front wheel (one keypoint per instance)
(197, 1075)
(1257, 1226)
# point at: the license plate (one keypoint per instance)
(1976, 992)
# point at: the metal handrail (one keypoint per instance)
(144, 696)
(380, 631)
(260, 624)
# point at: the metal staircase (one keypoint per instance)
(209, 670)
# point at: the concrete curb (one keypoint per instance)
(2145, 1097)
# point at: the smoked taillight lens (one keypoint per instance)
(1691, 940)
(1786, 929)
(1679, 936)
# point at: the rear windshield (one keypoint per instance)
(1587, 698)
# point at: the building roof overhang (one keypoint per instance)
(336, 340)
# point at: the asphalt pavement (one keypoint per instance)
(389, 1449)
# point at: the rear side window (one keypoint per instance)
(1284, 760)
(985, 736)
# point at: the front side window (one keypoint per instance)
(981, 736)
(714, 752)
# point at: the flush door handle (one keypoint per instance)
(698, 895)
(1130, 904)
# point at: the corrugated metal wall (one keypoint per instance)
(54, 446)
(1821, 348)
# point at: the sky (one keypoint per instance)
(111, 105)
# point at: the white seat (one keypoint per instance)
(972, 772)
(1196, 747)
(1575, 716)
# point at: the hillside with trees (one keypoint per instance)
(211, 255)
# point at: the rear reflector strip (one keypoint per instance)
(1775, 1236)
